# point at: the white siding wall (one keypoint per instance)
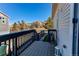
(55, 21)
(64, 18)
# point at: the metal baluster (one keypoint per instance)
(9, 50)
(4, 42)
(0, 43)
(35, 36)
(18, 45)
(48, 35)
(20, 41)
(15, 46)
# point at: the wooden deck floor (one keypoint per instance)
(38, 48)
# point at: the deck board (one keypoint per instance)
(38, 48)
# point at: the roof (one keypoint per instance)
(4, 14)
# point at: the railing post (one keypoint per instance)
(49, 39)
(34, 35)
(9, 48)
(15, 46)
(4, 42)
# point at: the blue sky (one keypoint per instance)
(29, 12)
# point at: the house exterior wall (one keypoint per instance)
(63, 24)
(4, 25)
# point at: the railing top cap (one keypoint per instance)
(52, 30)
(14, 34)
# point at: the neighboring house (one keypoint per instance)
(4, 24)
(65, 17)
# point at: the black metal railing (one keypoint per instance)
(17, 42)
(42, 33)
(52, 36)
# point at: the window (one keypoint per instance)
(3, 21)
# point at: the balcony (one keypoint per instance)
(28, 43)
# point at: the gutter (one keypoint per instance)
(75, 21)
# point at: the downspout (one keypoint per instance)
(75, 21)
